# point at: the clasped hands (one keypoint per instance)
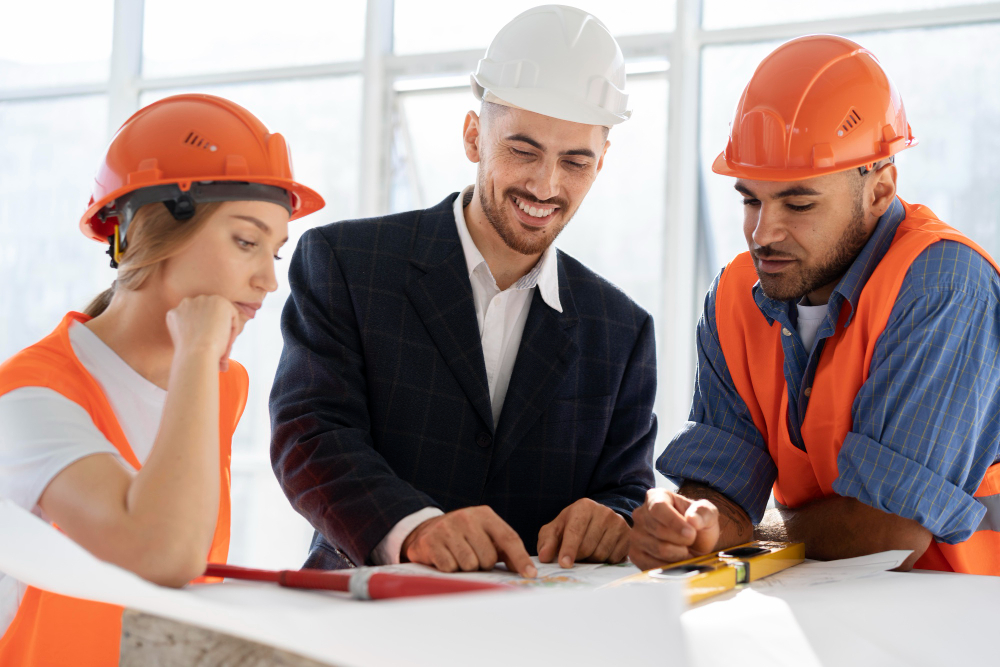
(476, 538)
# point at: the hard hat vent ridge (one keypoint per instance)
(185, 140)
(557, 61)
(851, 121)
(817, 105)
(197, 141)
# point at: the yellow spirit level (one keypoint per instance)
(722, 571)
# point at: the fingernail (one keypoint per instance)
(687, 531)
(531, 572)
(566, 561)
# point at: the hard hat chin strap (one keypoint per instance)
(866, 169)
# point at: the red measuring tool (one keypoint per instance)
(363, 583)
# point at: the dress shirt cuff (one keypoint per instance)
(387, 551)
(887, 480)
(618, 503)
(739, 470)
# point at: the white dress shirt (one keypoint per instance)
(501, 315)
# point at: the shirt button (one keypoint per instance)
(484, 440)
(785, 331)
(808, 391)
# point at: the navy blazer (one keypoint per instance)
(381, 407)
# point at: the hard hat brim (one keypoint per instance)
(553, 105)
(725, 167)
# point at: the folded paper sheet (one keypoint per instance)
(531, 626)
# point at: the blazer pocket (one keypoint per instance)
(590, 408)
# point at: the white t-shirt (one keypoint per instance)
(810, 319)
(42, 432)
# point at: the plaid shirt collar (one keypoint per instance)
(853, 282)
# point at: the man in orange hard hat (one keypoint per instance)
(849, 359)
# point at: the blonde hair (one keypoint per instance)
(153, 236)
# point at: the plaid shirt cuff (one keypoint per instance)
(739, 470)
(877, 476)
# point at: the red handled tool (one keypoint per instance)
(362, 583)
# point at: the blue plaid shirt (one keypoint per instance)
(926, 422)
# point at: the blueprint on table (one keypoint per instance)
(550, 575)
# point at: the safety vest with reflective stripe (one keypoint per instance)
(755, 359)
(51, 629)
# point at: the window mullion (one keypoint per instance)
(126, 62)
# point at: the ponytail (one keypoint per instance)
(100, 302)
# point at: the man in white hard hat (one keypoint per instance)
(453, 390)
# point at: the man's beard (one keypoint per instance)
(526, 244)
(809, 279)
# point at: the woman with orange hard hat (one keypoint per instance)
(118, 424)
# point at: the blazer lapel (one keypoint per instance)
(546, 353)
(442, 297)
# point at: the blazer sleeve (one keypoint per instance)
(321, 448)
(625, 470)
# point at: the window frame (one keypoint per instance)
(686, 257)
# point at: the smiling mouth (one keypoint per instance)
(533, 213)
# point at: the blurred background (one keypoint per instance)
(372, 96)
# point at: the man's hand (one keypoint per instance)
(473, 538)
(669, 527)
(584, 531)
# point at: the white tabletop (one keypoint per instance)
(883, 619)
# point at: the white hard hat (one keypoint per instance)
(557, 61)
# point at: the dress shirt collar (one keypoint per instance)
(853, 282)
(544, 275)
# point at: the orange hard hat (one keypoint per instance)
(817, 105)
(189, 149)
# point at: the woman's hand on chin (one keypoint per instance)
(204, 325)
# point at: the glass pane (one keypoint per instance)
(429, 160)
(725, 72)
(37, 51)
(946, 77)
(197, 36)
(740, 14)
(447, 24)
(47, 167)
(324, 138)
(618, 231)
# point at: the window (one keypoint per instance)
(299, 66)
(36, 51)
(48, 158)
(193, 36)
(738, 14)
(454, 24)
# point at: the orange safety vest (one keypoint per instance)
(755, 358)
(52, 629)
